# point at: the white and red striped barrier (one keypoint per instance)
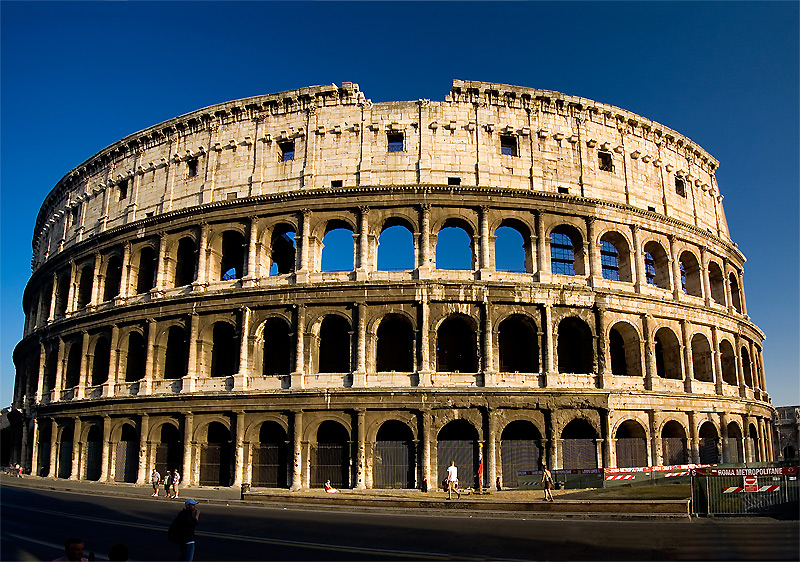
(683, 473)
(621, 477)
(739, 489)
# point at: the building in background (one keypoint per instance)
(787, 432)
(536, 274)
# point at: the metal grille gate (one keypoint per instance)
(734, 447)
(673, 450)
(579, 453)
(333, 463)
(516, 455)
(94, 459)
(464, 454)
(215, 467)
(709, 497)
(270, 466)
(65, 459)
(393, 465)
(631, 451)
(127, 463)
(709, 454)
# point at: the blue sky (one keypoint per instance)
(75, 77)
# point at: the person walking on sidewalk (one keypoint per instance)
(176, 479)
(452, 481)
(181, 531)
(547, 482)
(168, 484)
(155, 480)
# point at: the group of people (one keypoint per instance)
(73, 552)
(171, 481)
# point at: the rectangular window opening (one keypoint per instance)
(563, 190)
(395, 142)
(287, 151)
(606, 161)
(651, 209)
(680, 187)
(192, 166)
(508, 145)
(453, 181)
(123, 190)
(337, 183)
(232, 195)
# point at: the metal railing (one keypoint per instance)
(770, 491)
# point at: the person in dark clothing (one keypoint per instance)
(182, 529)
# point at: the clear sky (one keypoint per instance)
(76, 77)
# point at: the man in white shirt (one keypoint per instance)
(452, 481)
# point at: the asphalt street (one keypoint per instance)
(34, 524)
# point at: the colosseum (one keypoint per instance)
(290, 288)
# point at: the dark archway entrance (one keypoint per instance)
(574, 346)
(94, 453)
(520, 449)
(334, 346)
(709, 444)
(458, 442)
(65, 453)
(216, 457)
(518, 345)
(126, 467)
(673, 444)
(456, 346)
(395, 348)
(631, 445)
(331, 456)
(270, 457)
(169, 451)
(578, 448)
(394, 459)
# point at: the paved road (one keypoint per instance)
(34, 522)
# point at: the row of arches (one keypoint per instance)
(225, 255)
(395, 453)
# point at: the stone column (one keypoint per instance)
(53, 449)
(694, 439)
(549, 350)
(40, 374)
(144, 436)
(360, 374)
(717, 359)
(762, 450)
(705, 279)
(726, 282)
(239, 453)
(34, 464)
(608, 458)
(485, 263)
(649, 348)
(106, 448)
(723, 433)
(639, 279)
(427, 444)
(252, 260)
(302, 272)
(425, 348)
(425, 266)
(740, 277)
(202, 258)
(188, 447)
(190, 379)
(491, 459)
(297, 448)
(80, 392)
(542, 259)
(77, 450)
(300, 331)
(656, 457)
(97, 278)
(241, 380)
(163, 259)
(688, 372)
(754, 370)
(113, 363)
(737, 353)
(363, 244)
(146, 384)
(676, 269)
(59, 382)
(488, 347)
(71, 294)
(51, 314)
(593, 253)
(600, 354)
(361, 449)
(748, 444)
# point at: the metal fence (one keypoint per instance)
(746, 491)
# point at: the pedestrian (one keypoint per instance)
(452, 481)
(176, 479)
(330, 489)
(547, 481)
(155, 479)
(73, 551)
(181, 531)
(168, 484)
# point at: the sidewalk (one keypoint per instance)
(569, 503)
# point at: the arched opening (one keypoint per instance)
(690, 275)
(224, 350)
(566, 251)
(101, 361)
(395, 346)
(518, 345)
(456, 346)
(283, 248)
(615, 258)
(575, 354)
(728, 358)
(234, 247)
(734, 444)
(737, 302)
(656, 265)
(331, 456)
(394, 459)
(113, 279)
(73, 375)
(85, 283)
(702, 361)
(136, 357)
(458, 442)
(520, 449)
(748, 375)
(169, 450)
(62, 295)
(631, 444)
(789, 453)
(50, 366)
(396, 248)
(42, 464)
(271, 457)
(186, 262)
(94, 453)
(668, 355)
(753, 437)
(512, 248)
(709, 444)
(717, 282)
(176, 359)
(216, 457)
(127, 457)
(454, 248)
(65, 453)
(146, 270)
(673, 444)
(334, 345)
(578, 445)
(45, 303)
(277, 348)
(338, 248)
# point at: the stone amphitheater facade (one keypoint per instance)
(179, 317)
